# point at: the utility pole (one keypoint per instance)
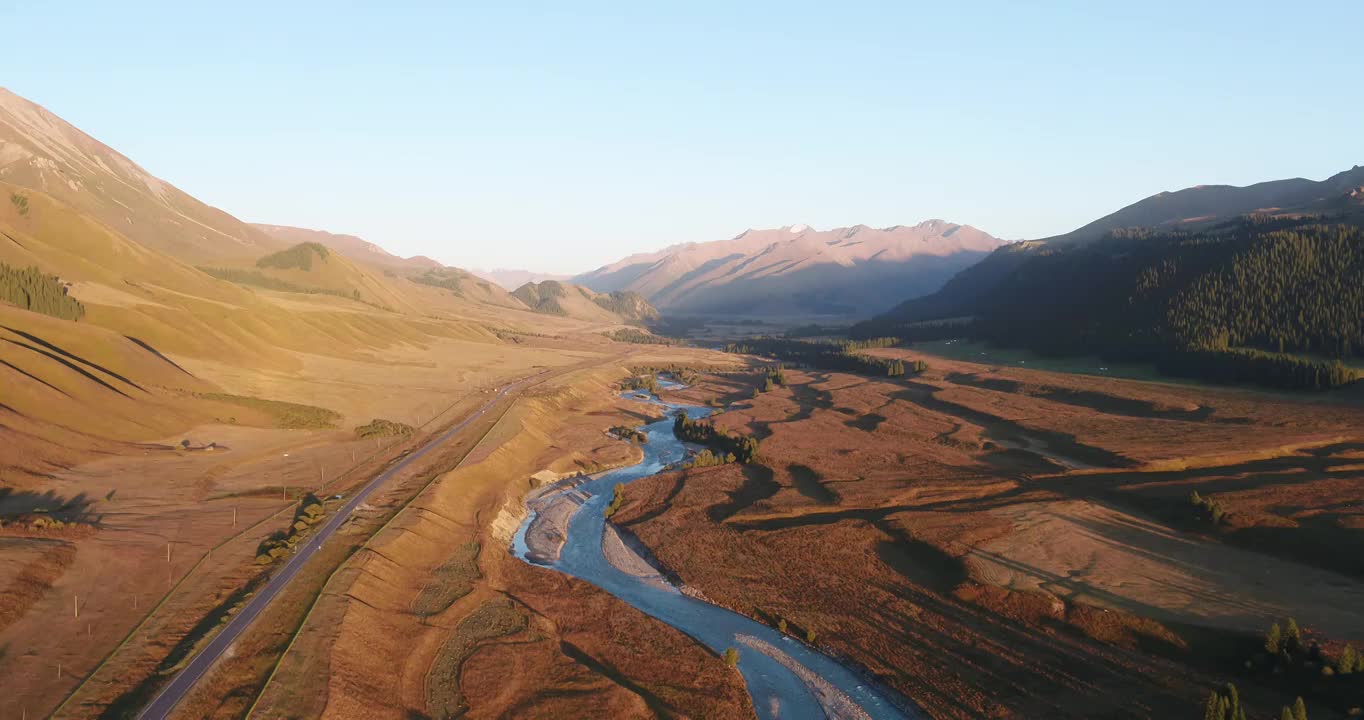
(168, 551)
(76, 606)
(234, 516)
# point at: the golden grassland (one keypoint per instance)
(178, 421)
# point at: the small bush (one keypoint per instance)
(379, 427)
(617, 498)
(732, 657)
(628, 433)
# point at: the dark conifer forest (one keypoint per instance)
(1270, 301)
(33, 289)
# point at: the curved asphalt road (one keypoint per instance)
(184, 681)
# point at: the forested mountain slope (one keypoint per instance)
(1220, 304)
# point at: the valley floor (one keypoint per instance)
(1012, 543)
(987, 541)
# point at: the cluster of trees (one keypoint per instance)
(1207, 509)
(646, 381)
(1240, 365)
(840, 356)
(772, 377)
(277, 544)
(33, 289)
(298, 257)
(625, 432)
(20, 203)
(1286, 653)
(685, 374)
(706, 458)
(867, 343)
(744, 448)
(638, 337)
(1224, 704)
(379, 427)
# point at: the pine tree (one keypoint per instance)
(1349, 660)
(781, 626)
(1212, 710)
(732, 657)
(1299, 709)
(1292, 636)
(1233, 701)
(1273, 640)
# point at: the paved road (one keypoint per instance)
(183, 682)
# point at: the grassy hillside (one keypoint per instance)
(138, 303)
(357, 249)
(44, 153)
(465, 285)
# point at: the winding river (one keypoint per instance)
(786, 678)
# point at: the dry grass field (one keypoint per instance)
(1001, 542)
(149, 447)
(506, 639)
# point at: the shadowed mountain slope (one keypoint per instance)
(1189, 210)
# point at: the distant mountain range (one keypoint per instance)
(797, 271)
(513, 279)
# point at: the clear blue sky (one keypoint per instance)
(558, 138)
